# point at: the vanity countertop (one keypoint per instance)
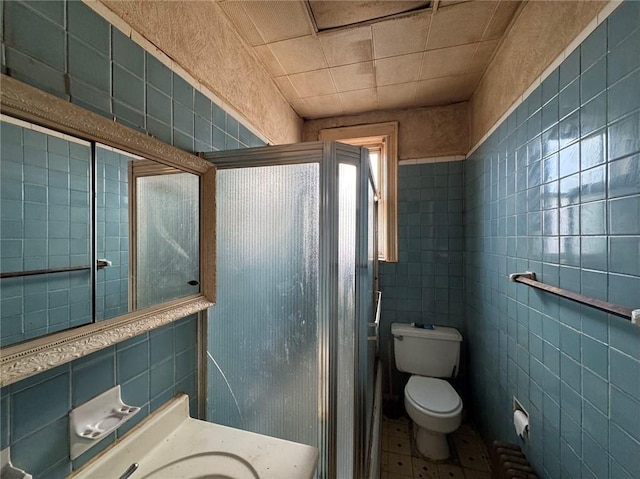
(170, 444)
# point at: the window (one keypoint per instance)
(381, 139)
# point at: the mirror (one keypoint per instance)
(106, 232)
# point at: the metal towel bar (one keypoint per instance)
(529, 278)
(16, 274)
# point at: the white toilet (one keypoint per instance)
(432, 403)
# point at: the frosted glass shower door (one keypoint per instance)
(263, 353)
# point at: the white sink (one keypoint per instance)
(170, 444)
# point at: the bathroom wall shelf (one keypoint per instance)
(96, 419)
(529, 278)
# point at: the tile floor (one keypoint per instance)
(400, 459)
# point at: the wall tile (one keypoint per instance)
(127, 53)
(85, 25)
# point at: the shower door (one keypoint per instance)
(286, 337)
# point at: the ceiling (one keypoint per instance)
(340, 57)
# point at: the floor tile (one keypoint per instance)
(473, 474)
(474, 458)
(397, 445)
(448, 471)
(423, 469)
(399, 464)
(395, 427)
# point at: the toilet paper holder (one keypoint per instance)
(520, 419)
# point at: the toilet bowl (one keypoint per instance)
(436, 410)
(429, 353)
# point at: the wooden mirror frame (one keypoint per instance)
(34, 356)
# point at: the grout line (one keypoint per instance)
(575, 43)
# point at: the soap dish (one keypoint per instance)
(96, 419)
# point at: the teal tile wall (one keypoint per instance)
(150, 368)
(556, 190)
(44, 201)
(426, 284)
(64, 48)
(112, 222)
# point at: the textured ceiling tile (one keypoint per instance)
(401, 35)
(482, 56)
(400, 69)
(352, 45)
(359, 101)
(447, 62)
(324, 106)
(279, 20)
(299, 54)
(356, 76)
(287, 88)
(242, 22)
(269, 60)
(334, 14)
(459, 24)
(301, 108)
(397, 96)
(501, 19)
(441, 91)
(314, 83)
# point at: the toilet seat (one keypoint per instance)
(433, 397)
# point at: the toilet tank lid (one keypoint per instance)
(438, 332)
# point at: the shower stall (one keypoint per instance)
(288, 352)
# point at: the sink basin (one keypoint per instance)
(170, 444)
(190, 467)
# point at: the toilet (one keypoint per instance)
(430, 353)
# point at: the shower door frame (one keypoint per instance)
(325, 153)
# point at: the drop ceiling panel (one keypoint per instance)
(397, 96)
(299, 54)
(313, 83)
(324, 106)
(502, 17)
(242, 22)
(459, 24)
(400, 36)
(269, 60)
(415, 58)
(347, 46)
(356, 76)
(447, 61)
(278, 20)
(359, 101)
(334, 14)
(400, 69)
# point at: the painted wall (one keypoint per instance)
(66, 49)
(422, 132)
(426, 284)
(201, 38)
(556, 190)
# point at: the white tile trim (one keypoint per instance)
(575, 43)
(149, 47)
(436, 159)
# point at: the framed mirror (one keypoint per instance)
(107, 233)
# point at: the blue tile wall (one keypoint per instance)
(426, 284)
(45, 224)
(66, 49)
(150, 368)
(561, 197)
(112, 232)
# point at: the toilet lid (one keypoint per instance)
(432, 394)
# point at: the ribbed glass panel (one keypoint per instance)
(368, 313)
(264, 369)
(168, 237)
(348, 195)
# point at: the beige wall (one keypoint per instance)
(201, 40)
(422, 132)
(542, 30)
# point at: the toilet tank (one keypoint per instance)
(427, 352)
